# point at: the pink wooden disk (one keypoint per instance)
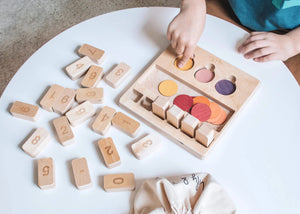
(201, 111)
(204, 75)
(183, 101)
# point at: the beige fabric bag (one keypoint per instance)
(196, 193)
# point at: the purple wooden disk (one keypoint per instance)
(225, 87)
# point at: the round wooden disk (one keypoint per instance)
(168, 88)
(183, 101)
(201, 111)
(220, 119)
(187, 66)
(225, 87)
(215, 112)
(204, 75)
(201, 99)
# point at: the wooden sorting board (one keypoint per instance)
(142, 93)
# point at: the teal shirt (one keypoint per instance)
(267, 15)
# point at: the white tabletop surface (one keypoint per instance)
(257, 161)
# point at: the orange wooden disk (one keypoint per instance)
(221, 118)
(215, 112)
(201, 99)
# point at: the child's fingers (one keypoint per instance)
(188, 53)
(254, 38)
(253, 46)
(266, 58)
(258, 53)
(180, 47)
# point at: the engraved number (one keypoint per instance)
(105, 117)
(92, 52)
(147, 143)
(79, 65)
(36, 140)
(64, 130)
(93, 75)
(80, 111)
(91, 93)
(65, 99)
(108, 149)
(25, 109)
(119, 72)
(52, 95)
(118, 180)
(46, 170)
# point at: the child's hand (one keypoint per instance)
(266, 46)
(186, 28)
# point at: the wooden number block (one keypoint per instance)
(117, 75)
(160, 106)
(119, 182)
(146, 146)
(189, 124)
(175, 115)
(65, 101)
(36, 142)
(51, 96)
(64, 131)
(205, 134)
(81, 113)
(103, 120)
(109, 152)
(81, 173)
(25, 111)
(92, 52)
(79, 67)
(126, 124)
(92, 77)
(46, 173)
(94, 95)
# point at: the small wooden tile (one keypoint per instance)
(109, 152)
(36, 142)
(25, 111)
(92, 52)
(81, 113)
(126, 124)
(92, 77)
(81, 173)
(146, 146)
(205, 135)
(117, 75)
(160, 106)
(64, 131)
(119, 182)
(189, 125)
(103, 121)
(46, 173)
(79, 67)
(65, 101)
(51, 96)
(175, 115)
(94, 95)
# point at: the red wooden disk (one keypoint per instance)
(183, 101)
(201, 111)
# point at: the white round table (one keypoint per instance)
(257, 161)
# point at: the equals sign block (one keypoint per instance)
(119, 182)
(146, 146)
(109, 152)
(25, 111)
(79, 67)
(95, 54)
(81, 173)
(36, 142)
(81, 113)
(126, 124)
(46, 173)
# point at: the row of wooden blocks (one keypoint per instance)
(94, 73)
(187, 123)
(82, 178)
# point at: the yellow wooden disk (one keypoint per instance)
(187, 66)
(168, 88)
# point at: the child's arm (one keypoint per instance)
(186, 28)
(265, 46)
